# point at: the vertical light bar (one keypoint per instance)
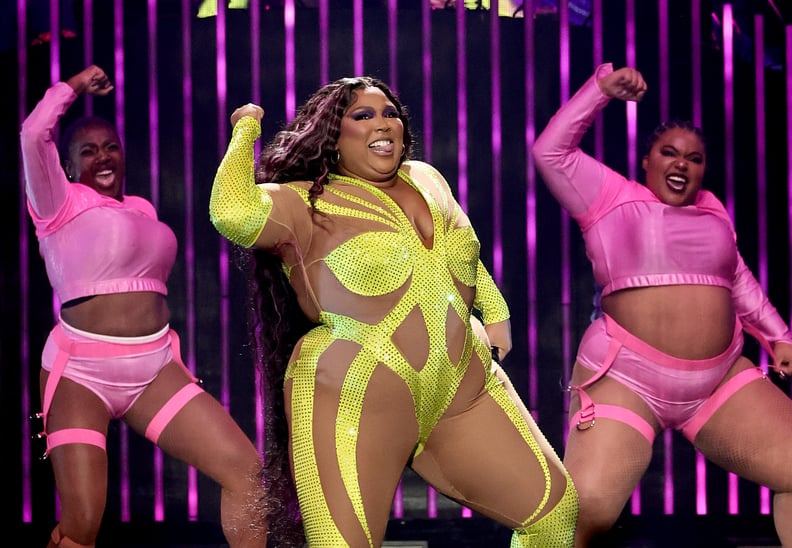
(426, 73)
(497, 148)
(696, 75)
(288, 27)
(120, 98)
(223, 265)
(324, 41)
(598, 59)
(632, 156)
(761, 198)
(154, 182)
(665, 110)
(393, 44)
(788, 65)
(462, 106)
(728, 105)
(188, 345)
(88, 48)
(462, 126)
(567, 355)
(532, 322)
(24, 278)
(357, 33)
(728, 137)
(256, 94)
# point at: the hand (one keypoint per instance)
(250, 109)
(626, 84)
(783, 359)
(92, 80)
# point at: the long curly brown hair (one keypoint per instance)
(302, 151)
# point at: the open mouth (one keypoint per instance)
(676, 182)
(384, 146)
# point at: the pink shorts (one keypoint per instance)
(117, 370)
(677, 390)
(117, 379)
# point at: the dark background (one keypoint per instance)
(27, 298)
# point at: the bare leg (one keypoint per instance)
(751, 435)
(205, 436)
(80, 470)
(606, 461)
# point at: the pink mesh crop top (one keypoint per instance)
(632, 238)
(91, 244)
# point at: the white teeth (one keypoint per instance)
(382, 143)
(105, 172)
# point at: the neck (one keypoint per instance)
(379, 184)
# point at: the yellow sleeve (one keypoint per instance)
(489, 300)
(238, 208)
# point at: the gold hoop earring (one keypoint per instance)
(335, 156)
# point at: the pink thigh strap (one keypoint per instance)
(586, 418)
(169, 410)
(713, 403)
(75, 435)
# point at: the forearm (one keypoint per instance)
(571, 175)
(238, 208)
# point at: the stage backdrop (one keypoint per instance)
(479, 88)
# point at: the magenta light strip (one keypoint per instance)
(357, 33)
(761, 198)
(393, 44)
(632, 156)
(728, 116)
(189, 219)
(256, 94)
(324, 41)
(221, 67)
(120, 98)
(24, 280)
(728, 104)
(788, 65)
(695, 63)
(154, 175)
(599, 127)
(88, 48)
(426, 73)
(462, 106)
(532, 322)
(665, 109)
(462, 128)
(497, 149)
(566, 269)
(291, 87)
(55, 75)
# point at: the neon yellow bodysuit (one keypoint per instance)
(393, 375)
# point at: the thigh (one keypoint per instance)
(492, 457)
(607, 460)
(751, 433)
(353, 428)
(202, 433)
(80, 470)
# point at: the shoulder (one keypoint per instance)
(424, 173)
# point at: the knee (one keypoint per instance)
(598, 512)
(57, 538)
(556, 529)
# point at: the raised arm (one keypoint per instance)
(573, 177)
(45, 181)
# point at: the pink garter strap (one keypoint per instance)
(586, 417)
(76, 435)
(169, 410)
(713, 403)
(68, 347)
